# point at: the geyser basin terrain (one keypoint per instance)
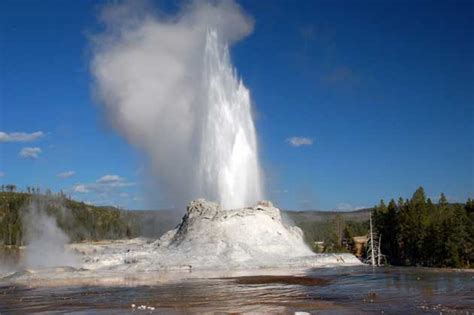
(209, 240)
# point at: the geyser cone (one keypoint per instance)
(228, 168)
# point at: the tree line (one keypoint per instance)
(413, 231)
(419, 232)
(77, 219)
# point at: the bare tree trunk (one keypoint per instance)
(372, 243)
(379, 253)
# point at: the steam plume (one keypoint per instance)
(169, 88)
(46, 241)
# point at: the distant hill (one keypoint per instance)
(319, 216)
(154, 223)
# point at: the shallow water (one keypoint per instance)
(346, 290)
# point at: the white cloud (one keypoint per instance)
(66, 174)
(110, 179)
(29, 152)
(103, 185)
(2, 174)
(343, 206)
(20, 136)
(81, 189)
(299, 141)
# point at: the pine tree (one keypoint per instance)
(454, 236)
(413, 227)
(469, 207)
(378, 216)
(391, 234)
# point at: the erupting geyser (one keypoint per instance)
(228, 166)
(169, 87)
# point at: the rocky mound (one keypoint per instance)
(250, 235)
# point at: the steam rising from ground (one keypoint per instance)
(46, 242)
(168, 86)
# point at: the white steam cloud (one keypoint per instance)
(46, 242)
(169, 88)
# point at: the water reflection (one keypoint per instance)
(332, 290)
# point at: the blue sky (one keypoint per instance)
(384, 91)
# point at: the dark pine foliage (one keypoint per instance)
(420, 232)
